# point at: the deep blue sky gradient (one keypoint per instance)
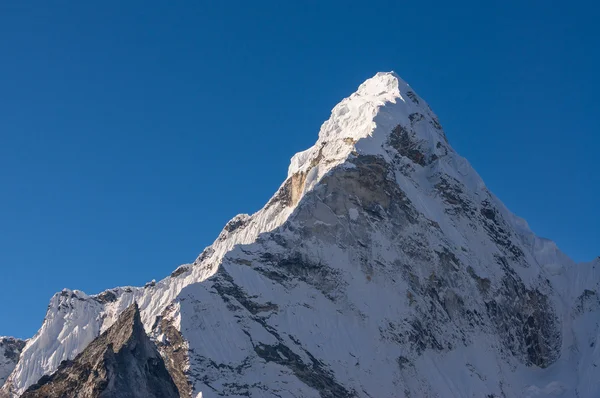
(130, 132)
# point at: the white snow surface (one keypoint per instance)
(243, 306)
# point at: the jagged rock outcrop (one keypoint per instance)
(382, 267)
(121, 362)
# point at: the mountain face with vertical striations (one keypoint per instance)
(121, 362)
(382, 267)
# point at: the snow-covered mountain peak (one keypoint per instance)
(354, 118)
(384, 85)
(383, 112)
(383, 117)
(382, 236)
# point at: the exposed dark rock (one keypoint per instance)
(483, 284)
(174, 350)
(448, 260)
(452, 192)
(416, 247)
(179, 271)
(227, 289)
(211, 373)
(295, 266)
(413, 97)
(422, 337)
(12, 347)
(121, 362)
(314, 374)
(10, 351)
(402, 140)
(586, 302)
(498, 230)
(403, 362)
(371, 184)
(237, 222)
(206, 253)
(436, 123)
(526, 322)
(106, 297)
(415, 118)
(150, 284)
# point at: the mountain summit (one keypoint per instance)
(381, 267)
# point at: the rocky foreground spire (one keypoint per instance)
(122, 362)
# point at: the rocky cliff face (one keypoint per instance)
(10, 349)
(382, 267)
(121, 362)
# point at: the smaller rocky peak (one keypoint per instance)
(121, 362)
(128, 329)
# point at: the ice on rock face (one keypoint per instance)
(384, 237)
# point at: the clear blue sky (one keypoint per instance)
(132, 131)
